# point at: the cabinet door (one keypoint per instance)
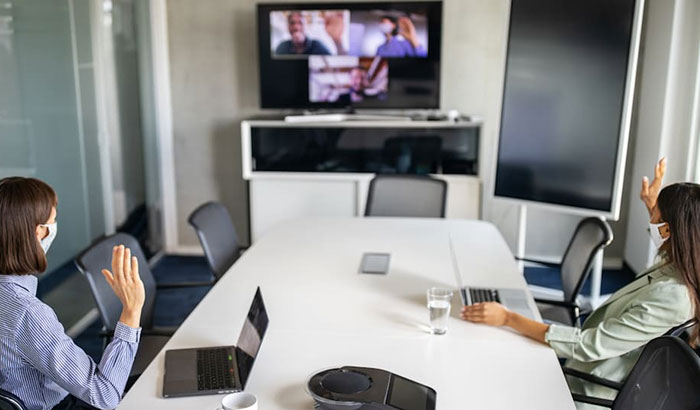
(463, 197)
(273, 201)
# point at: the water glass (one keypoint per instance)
(439, 304)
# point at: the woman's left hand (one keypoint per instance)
(489, 313)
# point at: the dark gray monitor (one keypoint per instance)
(567, 98)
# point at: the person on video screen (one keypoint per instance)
(301, 44)
(401, 38)
(356, 93)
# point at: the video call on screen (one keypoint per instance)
(367, 55)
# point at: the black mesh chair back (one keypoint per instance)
(591, 235)
(666, 377)
(406, 196)
(99, 256)
(9, 401)
(217, 235)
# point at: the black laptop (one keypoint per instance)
(215, 370)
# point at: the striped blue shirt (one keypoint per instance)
(41, 365)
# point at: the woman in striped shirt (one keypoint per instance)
(39, 363)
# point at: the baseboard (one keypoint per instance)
(187, 250)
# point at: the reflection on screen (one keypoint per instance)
(370, 33)
(408, 395)
(562, 104)
(251, 337)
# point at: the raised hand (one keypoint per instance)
(650, 191)
(126, 283)
(408, 31)
(334, 26)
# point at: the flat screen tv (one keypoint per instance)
(350, 55)
(567, 103)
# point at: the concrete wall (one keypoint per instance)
(213, 63)
(213, 52)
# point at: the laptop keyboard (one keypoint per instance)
(484, 295)
(215, 369)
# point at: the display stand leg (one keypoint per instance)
(522, 230)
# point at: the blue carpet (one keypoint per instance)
(172, 305)
(182, 269)
(613, 279)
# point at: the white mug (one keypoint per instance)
(239, 401)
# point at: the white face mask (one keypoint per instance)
(656, 235)
(386, 28)
(53, 230)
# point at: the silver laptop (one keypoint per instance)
(515, 300)
(222, 369)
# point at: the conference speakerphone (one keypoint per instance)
(364, 388)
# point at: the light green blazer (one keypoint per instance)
(611, 339)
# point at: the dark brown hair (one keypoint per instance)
(679, 205)
(24, 204)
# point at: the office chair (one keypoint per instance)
(665, 377)
(217, 235)
(9, 401)
(406, 196)
(591, 235)
(679, 331)
(99, 256)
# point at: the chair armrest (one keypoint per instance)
(106, 333)
(543, 263)
(175, 285)
(560, 303)
(593, 379)
(592, 400)
(159, 331)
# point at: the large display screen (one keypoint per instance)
(365, 55)
(565, 88)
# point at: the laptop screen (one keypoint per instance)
(251, 337)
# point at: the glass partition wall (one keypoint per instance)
(70, 111)
(48, 121)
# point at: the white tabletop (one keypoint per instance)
(323, 313)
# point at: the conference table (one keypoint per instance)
(324, 313)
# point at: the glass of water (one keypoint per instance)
(439, 304)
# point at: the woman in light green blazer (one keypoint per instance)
(662, 297)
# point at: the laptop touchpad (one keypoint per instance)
(180, 365)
